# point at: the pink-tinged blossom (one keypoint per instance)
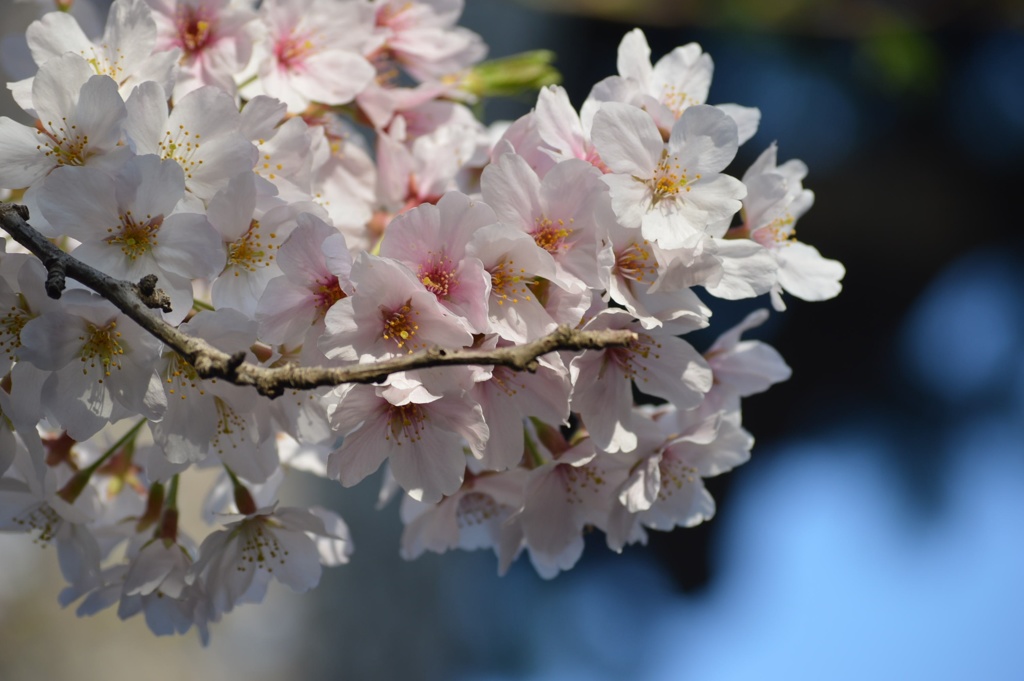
(421, 170)
(155, 585)
(201, 134)
(562, 212)
(344, 179)
(775, 200)
(214, 37)
(639, 266)
(665, 90)
(665, 488)
(472, 518)
(421, 436)
(290, 545)
(253, 229)
(127, 228)
(431, 241)
(164, 615)
(657, 362)
(126, 52)
(100, 364)
(22, 297)
(562, 131)
(514, 261)
(522, 137)
(422, 37)
(508, 397)
(311, 52)
(80, 122)
(315, 263)
(31, 503)
(391, 313)
(742, 367)
(569, 492)
(284, 163)
(674, 192)
(205, 417)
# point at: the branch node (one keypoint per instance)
(55, 276)
(150, 295)
(234, 362)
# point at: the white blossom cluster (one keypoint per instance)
(213, 143)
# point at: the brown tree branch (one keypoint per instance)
(137, 301)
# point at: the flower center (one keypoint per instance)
(438, 277)
(476, 508)
(249, 252)
(40, 520)
(101, 346)
(194, 30)
(66, 146)
(259, 547)
(182, 377)
(405, 423)
(327, 293)
(676, 100)
(551, 234)
(778, 232)
(675, 474)
(291, 51)
(669, 178)
(507, 283)
(644, 347)
(399, 326)
(181, 146)
(635, 263)
(136, 238)
(11, 324)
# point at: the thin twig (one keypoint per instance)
(136, 301)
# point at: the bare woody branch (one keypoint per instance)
(137, 301)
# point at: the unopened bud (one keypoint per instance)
(510, 76)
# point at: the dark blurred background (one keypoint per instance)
(876, 533)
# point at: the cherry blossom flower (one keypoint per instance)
(657, 362)
(432, 241)
(474, 517)
(312, 52)
(100, 364)
(421, 435)
(507, 398)
(315, 263)
(561, 212)
(673, 191)
(283, 543)
(665, 487)
(679, 80)
(423, 38)
(215, 39)
(637, 281)
(775, 201)
(206, 417)
(128, 227)
(126, 51)
(253, 229)
(81, 120)
(514, 261)
(574, 489)
(400, 315)
(742, 367)
(562, 130)
(201, 134)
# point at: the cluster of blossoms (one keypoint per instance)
(226, 149)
